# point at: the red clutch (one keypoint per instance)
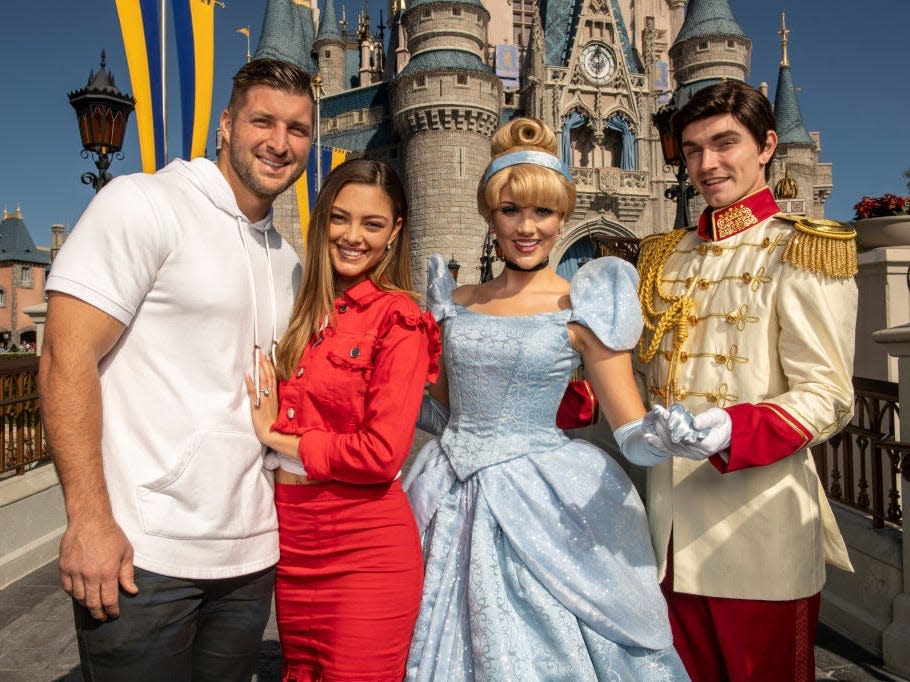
(578, 407)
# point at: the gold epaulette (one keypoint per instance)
(820, 245)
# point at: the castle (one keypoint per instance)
(596, 71)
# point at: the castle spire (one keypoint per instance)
(784, 41)
(328, 23)
(287, 34)
(790, 128)
(706, 18)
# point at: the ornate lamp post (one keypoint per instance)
(669, 146)
(101, 112)
(454, 266)
(487, 258)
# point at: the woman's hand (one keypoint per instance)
(264, 404)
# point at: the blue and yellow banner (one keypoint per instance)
(194, 31)
(306, 186)
(140, 24)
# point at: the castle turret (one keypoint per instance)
(790, 128)
(710, 46)
(446, 106)
(803, 183)
(398, 43)
(288, 33)
(329, 48)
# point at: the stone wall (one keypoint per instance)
(885, 298)
(32, 521)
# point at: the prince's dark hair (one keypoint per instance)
(747, 105)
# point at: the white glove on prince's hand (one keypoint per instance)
(694, 437)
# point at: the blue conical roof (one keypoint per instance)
(790, 128)
(287, 34)
(706, 18)
(328, 23)
(16, 243)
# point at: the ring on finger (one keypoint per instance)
(267, 391)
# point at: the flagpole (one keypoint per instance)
(317, 86)
(245, 31)
(163, 16)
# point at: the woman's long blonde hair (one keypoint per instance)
(315, 300)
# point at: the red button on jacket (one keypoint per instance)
(356, 402)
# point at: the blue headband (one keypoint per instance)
(536, 158)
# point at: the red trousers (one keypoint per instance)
(743, 640)
(348, 583)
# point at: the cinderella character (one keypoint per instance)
(539, 564)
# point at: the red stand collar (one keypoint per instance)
(717, 224)
(361, 294)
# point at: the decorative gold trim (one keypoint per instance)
(788, 420)
(653, 256)
(728, 360)
(719, 396)
(823, 246)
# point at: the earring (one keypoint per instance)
(388, 247)
(500, 255)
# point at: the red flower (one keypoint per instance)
(885, 205)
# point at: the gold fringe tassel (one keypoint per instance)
(822, 248)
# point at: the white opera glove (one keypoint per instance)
(433, 416)
(636, 448)
(694, 437)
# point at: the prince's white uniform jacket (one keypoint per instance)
(771, 342)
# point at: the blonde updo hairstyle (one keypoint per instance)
(531, 185)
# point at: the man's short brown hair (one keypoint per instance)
(269, 73)
(747, 105)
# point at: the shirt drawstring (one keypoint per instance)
(273, 300)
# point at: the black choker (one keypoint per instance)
(533, 268)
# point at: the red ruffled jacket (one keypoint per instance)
(356, 392)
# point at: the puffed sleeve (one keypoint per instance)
(604, 295)
(407, 356)
(440, 285)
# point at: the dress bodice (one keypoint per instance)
(506, 378)
(507, 374)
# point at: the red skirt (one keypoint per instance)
(348, 582)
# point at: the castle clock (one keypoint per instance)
(598, 63)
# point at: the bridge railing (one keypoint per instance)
(22, 444)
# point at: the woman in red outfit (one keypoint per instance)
(351, 370)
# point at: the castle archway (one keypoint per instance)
(594, 239)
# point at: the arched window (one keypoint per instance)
(2, 297)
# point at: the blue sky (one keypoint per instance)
(851, 66)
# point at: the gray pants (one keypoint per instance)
(178, 630)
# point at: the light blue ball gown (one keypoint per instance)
(539, 563)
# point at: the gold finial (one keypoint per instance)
(787, 187)
(784, 41)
